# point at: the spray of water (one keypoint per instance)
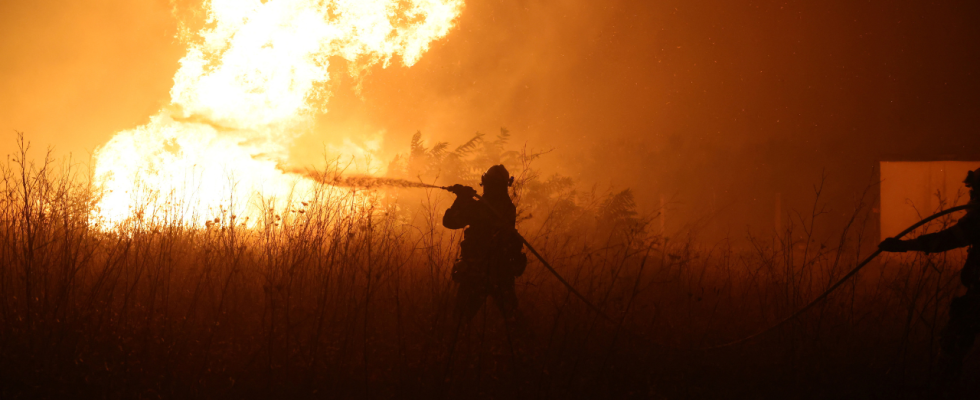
(359, 181)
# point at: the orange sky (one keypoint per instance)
(712, 103)
(74, 73)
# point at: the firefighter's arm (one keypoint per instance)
(460, 213)
(947, 239)
(454, 219)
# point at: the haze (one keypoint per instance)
(713, 105)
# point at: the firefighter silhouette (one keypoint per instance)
(964, 311)
(491, 254)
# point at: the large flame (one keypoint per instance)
(248, 85)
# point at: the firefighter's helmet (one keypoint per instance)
(497, 175)
(972, 179)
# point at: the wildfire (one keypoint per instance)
(249, 84)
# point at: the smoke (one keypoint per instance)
(712, 109)
(708, 105)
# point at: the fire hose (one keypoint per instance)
(850, 274)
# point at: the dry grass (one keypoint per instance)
(351, 298)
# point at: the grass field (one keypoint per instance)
(350, 297)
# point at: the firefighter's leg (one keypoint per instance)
(469, 299)
(518, 334)
(958, 337)
(505, 297)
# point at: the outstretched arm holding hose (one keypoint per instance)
(954, 237)
(459, 214)
(966, 232)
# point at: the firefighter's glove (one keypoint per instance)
(893, 245)
(462, 191)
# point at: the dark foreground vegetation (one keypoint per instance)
(350, 297)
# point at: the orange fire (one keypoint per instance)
(250, 84)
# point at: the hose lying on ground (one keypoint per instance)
(839, 283)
